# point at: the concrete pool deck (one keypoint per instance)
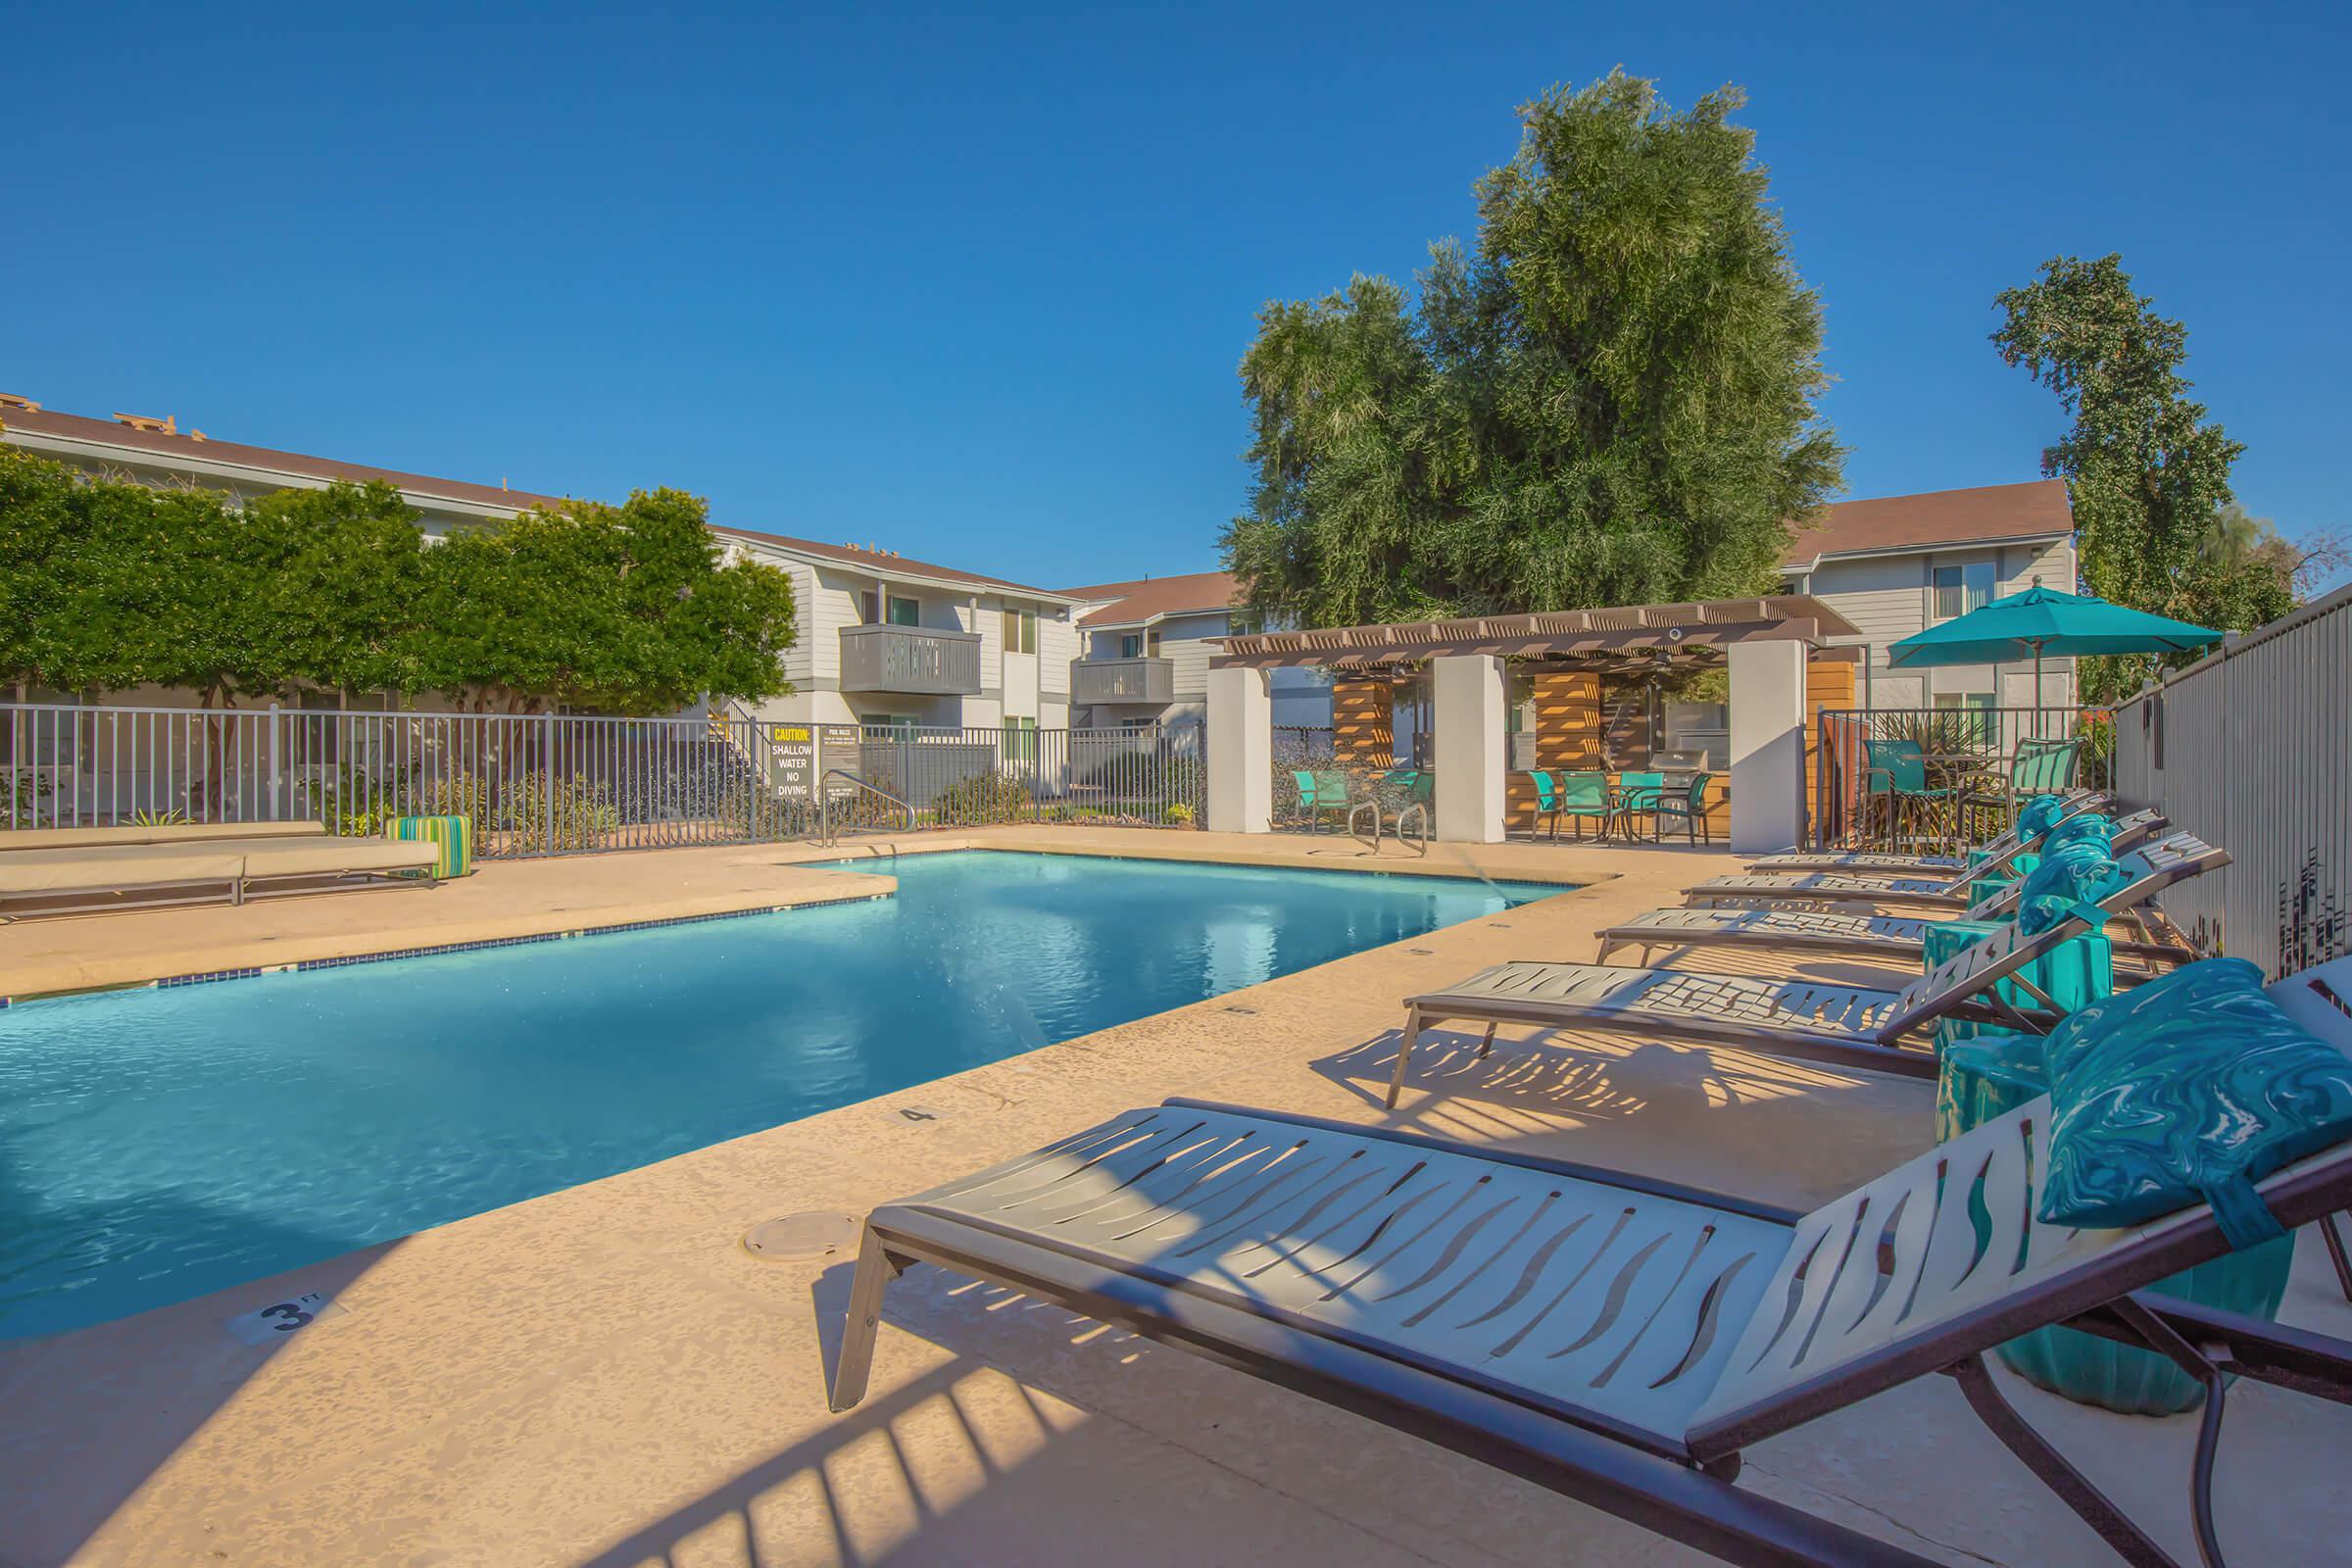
(604, 1377)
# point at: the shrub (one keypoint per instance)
(982, 798)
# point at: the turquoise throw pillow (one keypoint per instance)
(2074, 875)
(2191, 1087)
(2039, 815)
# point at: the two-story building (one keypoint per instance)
(1145, 648)
(888, 641)
(882, 640)
(1899, 564)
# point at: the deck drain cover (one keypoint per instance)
(1423, 952)
(803, 1237)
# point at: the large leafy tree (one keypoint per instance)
(2146, 470)
(1610, 399)
(624, 609)
(107, 585)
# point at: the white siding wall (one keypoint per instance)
(1891, 597)
(1057, 646)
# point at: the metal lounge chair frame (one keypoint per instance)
(1748, 890)
(2153, 867)
(1844, 1026)
(1999, 851)
(1612, 1338)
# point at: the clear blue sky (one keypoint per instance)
(971, 281)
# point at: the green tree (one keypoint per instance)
(1611, 400)
(623, 610)
(346, 567)
(2147, 472)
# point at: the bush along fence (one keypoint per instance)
(553, 784)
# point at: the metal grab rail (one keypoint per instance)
(1358, 811)
(1420, 844)
(828, 835)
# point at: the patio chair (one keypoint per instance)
(1895, 780)
(1583, 798)
(2038, 767)
(1320, 792)
(1814, 1020)
(1689, 807)
(1613, 1338)
(2153, 868)
(1547, 801)
(1748, 890)
(1638, 796)
(140, 876)
(1993, 853)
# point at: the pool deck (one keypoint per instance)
(604, 1378)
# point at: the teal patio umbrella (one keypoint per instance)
(2042, 621)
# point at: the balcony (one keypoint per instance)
(1147, 682)
(910, 659)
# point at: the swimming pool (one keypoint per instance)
(157, 1144)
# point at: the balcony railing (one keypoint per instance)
(910, 658)
(1123, 680)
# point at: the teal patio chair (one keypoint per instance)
(1689, 807)
(1638, 795)
(1584, 796)
(1896, 779)
(2038, 767)
(1321, 793)
(1547, 801)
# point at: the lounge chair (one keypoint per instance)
(2152, 868)
(91, 837)
(1995, 852)
(1748, 890)
(1612, 1338)
(1846, 1026)
(140, 876)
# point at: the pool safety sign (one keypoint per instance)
(792, 749)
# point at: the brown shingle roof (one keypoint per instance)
(1939, 516)
(186, 447)
(884, 561)
(1148, 597)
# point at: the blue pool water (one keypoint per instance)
(158, 1145)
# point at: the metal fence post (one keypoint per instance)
(547, 783)
(277, 779)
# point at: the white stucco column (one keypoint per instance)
(1241, 752)
(1768, 745)
(1467, 692)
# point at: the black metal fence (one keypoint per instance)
(549, 784)
(1930, 778)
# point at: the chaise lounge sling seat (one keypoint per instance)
(1615, 1339)
(2153, 868)
(1750, 890)
(139, 876)
(1814, 1020)
(1992, 855)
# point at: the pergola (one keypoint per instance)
(1774, 648)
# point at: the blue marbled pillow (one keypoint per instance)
(2037, 816)
(2190, 1088)
(2075, 872)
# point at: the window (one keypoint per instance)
(1245, 624)
(1978, 729)
(1961, 589)
(1020, 630)
(1131, 646)
(902, 611)
(1020, 740)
